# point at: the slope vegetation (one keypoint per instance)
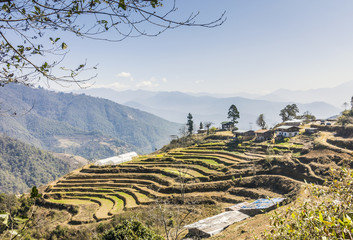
(214, 171)
(23, 166)
(79, 124)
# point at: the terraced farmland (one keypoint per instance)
(215, 172)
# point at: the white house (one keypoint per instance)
(287, 131)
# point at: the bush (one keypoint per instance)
(130, 230)
(326, 215)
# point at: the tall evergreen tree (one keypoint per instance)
(261, 121)
(233, 114)
(190, 124)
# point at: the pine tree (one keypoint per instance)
(233, 114)
(190, 124)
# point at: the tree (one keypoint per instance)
(130, 230)
(190, 124)
(201, 125)
(233, 114)
(289, 112)
(30, 46)
(308, 117)
(345, 105)
(261, 121)
(183, 131)
(207, 126)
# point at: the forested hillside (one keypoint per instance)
(23, 166)
(79, 124)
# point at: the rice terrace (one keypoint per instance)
(213, 170)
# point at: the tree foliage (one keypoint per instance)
(22, 166)
(130, 230)
(233, 114)
(327, 215)
(207, 126)
(261, 121)
(190, 124)
(307, 116)
(30, 32)
(289, 112)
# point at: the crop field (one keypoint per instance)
(215, 172)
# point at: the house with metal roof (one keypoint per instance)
(263, 135)
(287, 131)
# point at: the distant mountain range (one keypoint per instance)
(335, 96)
(174, 106)
(79, 124)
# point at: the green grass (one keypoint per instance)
(130, 200)
(118, 206)
(296, 154)
(179, 173)
(142, 197)
(205, 169)
(211, 162)
(70, 201)
(290, 145)
(104, 209)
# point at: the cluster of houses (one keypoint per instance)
(288, 129)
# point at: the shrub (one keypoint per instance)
(130, 230)
(326, 215)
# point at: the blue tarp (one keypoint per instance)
(263, 203)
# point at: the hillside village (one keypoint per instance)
(204, 182)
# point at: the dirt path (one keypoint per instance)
(323, 140)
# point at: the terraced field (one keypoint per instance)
(214, 172)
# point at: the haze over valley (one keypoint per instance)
(174, 106)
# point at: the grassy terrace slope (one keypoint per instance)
(213, 172)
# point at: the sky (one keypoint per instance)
(263, 45)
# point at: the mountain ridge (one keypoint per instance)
(56, 118)
(174, 106)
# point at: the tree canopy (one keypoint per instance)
(233, 114)
(289, 112)
(190, 124)
(31, 45)
(130, 230)
(261, 121)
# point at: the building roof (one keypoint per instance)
(226, 122)
(294, 121)
(313, 129)
(286, 127)
(216, 224)
(262, 131)
(116, 159)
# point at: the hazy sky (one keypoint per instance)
(264, 45)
